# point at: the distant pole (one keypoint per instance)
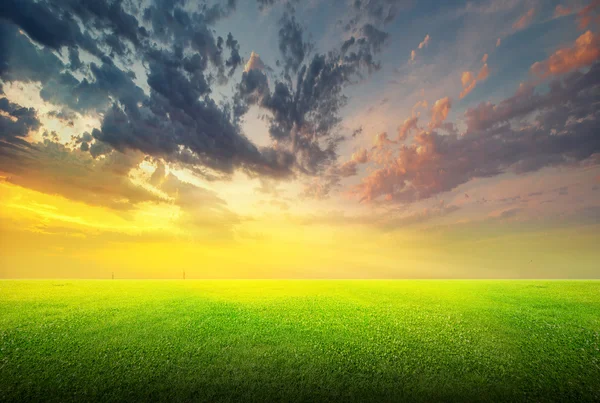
(113, 275)
(184, 274)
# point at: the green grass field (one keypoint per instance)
(299, 340)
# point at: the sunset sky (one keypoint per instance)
(299, 139)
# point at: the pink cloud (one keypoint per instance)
(498, 42)
(583, 52)
(496, 141)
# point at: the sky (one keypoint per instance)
(299, 139)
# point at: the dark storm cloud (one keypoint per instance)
(22, 60)
(15, 123)
(305, 105)
(374, 37)
(178, 120)
(380, 10)
(524, 133)
(219, 11)
(377, 12)
(184, 58)
(304, 114)
(291, 44)
(47, 24)
(264, 4)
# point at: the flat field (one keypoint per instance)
(299, 340)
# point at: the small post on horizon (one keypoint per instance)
(113, 275)
(184, 274)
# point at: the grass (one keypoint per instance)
(299, 340)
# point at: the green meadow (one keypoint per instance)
(299, 340)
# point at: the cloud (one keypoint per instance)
(389, 220)
(202, 209)
(420, 104)
(183, 56)
(379, 11)
(438, 210)
(483, 73)
(524, 20)
(425, 42)
(291, 44)
(44, 25)
(16, 122)
(561, 11)
(53, 168)
(582, 53)
(466, 78)
(561, 129)
(498, 42)
(469, 80)
(586, 15)
(439, 112)
(506, 214)
(303, 115)
(254, 63)
(374, 37)
(406, 127)
(422, 44)
(348, 168)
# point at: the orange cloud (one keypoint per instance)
(525, 20)
(439, 112)
(484, 58)
(420, 104)
(469, 82)
(560, 11)
(583, 52)
(361, 156)
(586, 15)
(349, 168)
(467, 78)
(483, 73)
(381, 151)
(498, 42)
(423, 44)
(407, 126)
(468, 89)
(254, 62)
